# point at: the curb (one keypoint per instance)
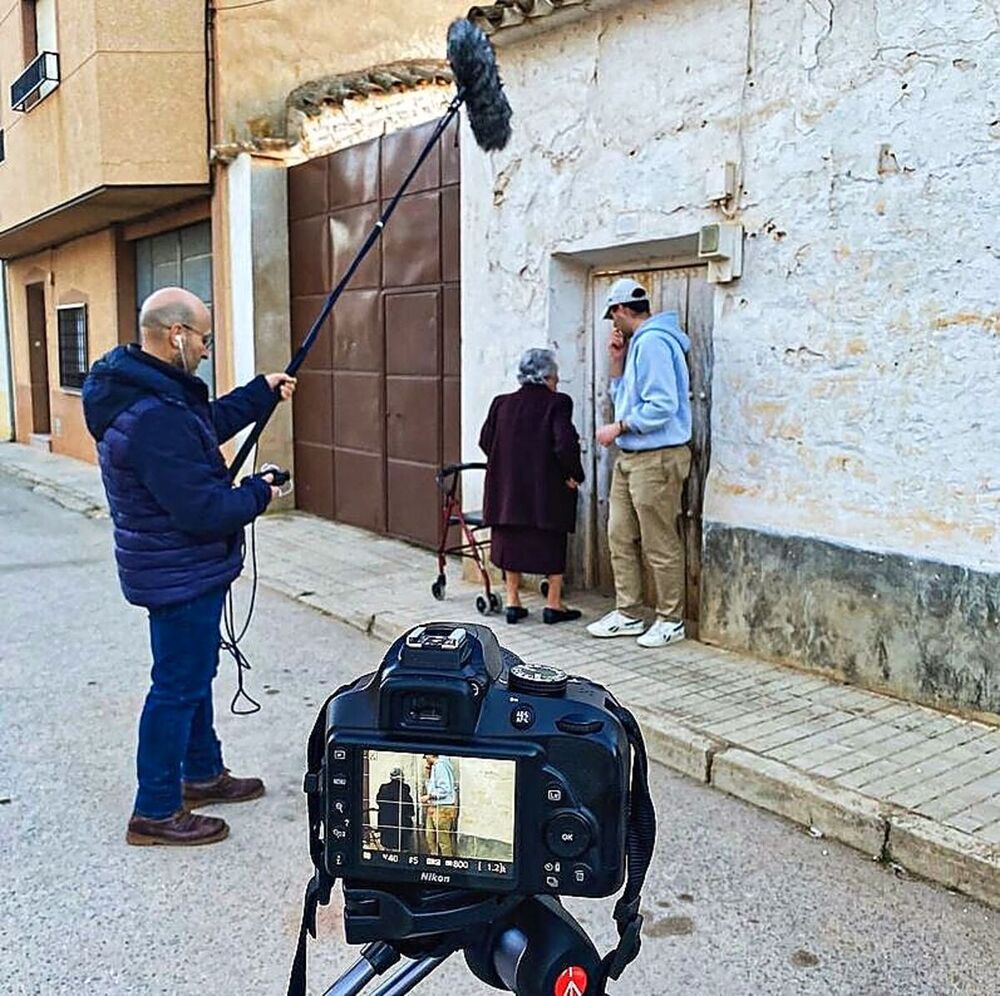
(923, 847)
(62, 494)
(946, 856)
(672, 744)
(836, 812)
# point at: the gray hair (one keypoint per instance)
(536, 366)
(164, 315)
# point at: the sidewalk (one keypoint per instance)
(902, 783)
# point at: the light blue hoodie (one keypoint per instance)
(441, 784)
(652, 394)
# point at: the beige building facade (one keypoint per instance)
(149, 144)
(105, 149)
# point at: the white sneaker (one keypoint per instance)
(662, 632)
(616, 623)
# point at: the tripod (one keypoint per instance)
(533, 948)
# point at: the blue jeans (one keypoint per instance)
(177, 741)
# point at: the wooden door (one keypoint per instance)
(38, 359)
(684, 290)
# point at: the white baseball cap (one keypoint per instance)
(625, 291)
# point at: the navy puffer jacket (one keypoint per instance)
(178, 520)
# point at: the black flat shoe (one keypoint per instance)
(560, 615)
(515, 613)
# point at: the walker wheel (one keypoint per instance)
(544, 588)
(495, 604)
(437, 589)
(482, 606)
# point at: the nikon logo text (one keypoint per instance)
(435, 877)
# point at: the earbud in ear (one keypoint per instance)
(177, 341)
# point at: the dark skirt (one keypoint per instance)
(528, 550)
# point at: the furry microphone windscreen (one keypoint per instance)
(475, 67)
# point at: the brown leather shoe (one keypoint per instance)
(225, 788)
(183, 829)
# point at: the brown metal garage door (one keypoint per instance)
(377, 409)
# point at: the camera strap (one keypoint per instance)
(640, 837)
(320, 885)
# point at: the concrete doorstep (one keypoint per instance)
(886, 777)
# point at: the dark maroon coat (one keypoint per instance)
(531, 449)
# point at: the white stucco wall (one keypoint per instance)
(857, 360)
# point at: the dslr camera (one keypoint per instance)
(458, 793)
(457, 764)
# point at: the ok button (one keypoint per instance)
(567, 835)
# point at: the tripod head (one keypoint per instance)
(528, 945)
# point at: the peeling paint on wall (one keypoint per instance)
(856, 357)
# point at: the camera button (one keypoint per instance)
(554, 793)
(339, 806)
(339, 782)
(567, 835)
(581, 875)
(522, 717)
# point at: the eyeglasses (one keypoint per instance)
(206, 337)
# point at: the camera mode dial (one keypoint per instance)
(539, 679)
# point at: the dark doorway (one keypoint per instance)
(377, 411)
(38, 360)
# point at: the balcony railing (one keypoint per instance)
(37, 81)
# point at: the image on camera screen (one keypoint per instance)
(438, 812)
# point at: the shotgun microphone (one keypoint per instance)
(475, 67)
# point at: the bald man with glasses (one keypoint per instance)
(178, 534)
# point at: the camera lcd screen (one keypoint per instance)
(437, 813)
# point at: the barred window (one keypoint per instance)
(73, 365)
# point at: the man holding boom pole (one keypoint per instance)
(178, 528)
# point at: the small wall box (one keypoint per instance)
(721, 246)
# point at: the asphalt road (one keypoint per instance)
(737, 902)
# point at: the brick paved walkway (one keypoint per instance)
(934, 764)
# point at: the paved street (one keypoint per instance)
(738, 902)
(896, 780)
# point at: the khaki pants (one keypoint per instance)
(441, 823)
(643, 512)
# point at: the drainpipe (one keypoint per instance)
(6, 361)
(211, 94)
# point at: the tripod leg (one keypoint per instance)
(375, 959)
(406, 978)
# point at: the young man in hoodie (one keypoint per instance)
(652, 429)
(178, 533)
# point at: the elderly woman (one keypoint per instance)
(533, 470)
